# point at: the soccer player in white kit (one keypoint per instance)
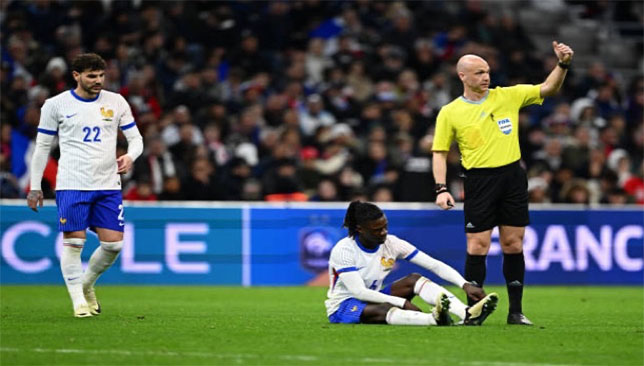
(360, 263)
(88, 185)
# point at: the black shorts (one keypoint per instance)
(495, 196)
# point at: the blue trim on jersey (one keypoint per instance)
(123, 128)
(412, 255)
(475, 101)
(83, 99)
(47, 132)
(365, 249)
(348, 269)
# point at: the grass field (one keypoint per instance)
(288, 326)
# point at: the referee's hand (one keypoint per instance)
(445, 201)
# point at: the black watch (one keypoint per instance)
(440, 186)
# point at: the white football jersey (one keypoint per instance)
(87, 132)
(372, 265)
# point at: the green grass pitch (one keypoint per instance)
(164, 325)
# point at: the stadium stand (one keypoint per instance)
(330, 100)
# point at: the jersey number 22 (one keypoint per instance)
(88, 131)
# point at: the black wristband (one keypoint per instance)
(440, 186)
(563, 65)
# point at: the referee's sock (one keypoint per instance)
(514, 272)
(475, 272)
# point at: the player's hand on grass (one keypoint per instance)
(124, 163)
(445, 201)
(564, 52)
(410, 306)
(473, 292)
(35, 199)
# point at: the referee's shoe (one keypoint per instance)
(519, 319)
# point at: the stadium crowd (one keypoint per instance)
(311, 100)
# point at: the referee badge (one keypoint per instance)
(505, 126)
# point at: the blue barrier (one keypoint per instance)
(262, 244)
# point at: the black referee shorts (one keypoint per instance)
(495, 196)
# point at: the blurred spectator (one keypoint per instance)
(202, 183)
(314, 115)
(156, 164)
(172, 190)
(538, 190)
(327, 191)
(233, 179)
(575, 191)
(141, 191)
(281, 182)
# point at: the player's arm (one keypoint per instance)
(133, 137)
(447, 273)
(354, 283)
(134, 149)
(553, 82)
(47, 130)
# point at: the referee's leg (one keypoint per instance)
(511, 240)
(478, 245)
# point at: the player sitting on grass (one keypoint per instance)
(360, 263)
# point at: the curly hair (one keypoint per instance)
(358, 213)
(88, 62)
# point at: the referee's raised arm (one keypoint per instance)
(555, 79)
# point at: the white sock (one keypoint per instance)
(72, 269)
(398, 316)
(102, 258)
(429, 291)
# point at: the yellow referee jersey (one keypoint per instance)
(486, 130)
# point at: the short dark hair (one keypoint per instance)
(88, 62)
(359, 213)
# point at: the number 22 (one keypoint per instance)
(88, 131)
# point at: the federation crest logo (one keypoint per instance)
(505, 125)
(107, 114)
(387, 263)
(63, 220)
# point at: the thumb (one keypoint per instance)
(554, 43)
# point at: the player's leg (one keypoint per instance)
(511, 239)
(73, 208)
(404, 287)
(477, 313)
(107, 219)
(430, 292)
(389, 314)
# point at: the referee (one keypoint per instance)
(484, 122)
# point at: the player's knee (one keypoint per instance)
(73, 245)
(413, 278)
(112, 246)
(381, 315)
